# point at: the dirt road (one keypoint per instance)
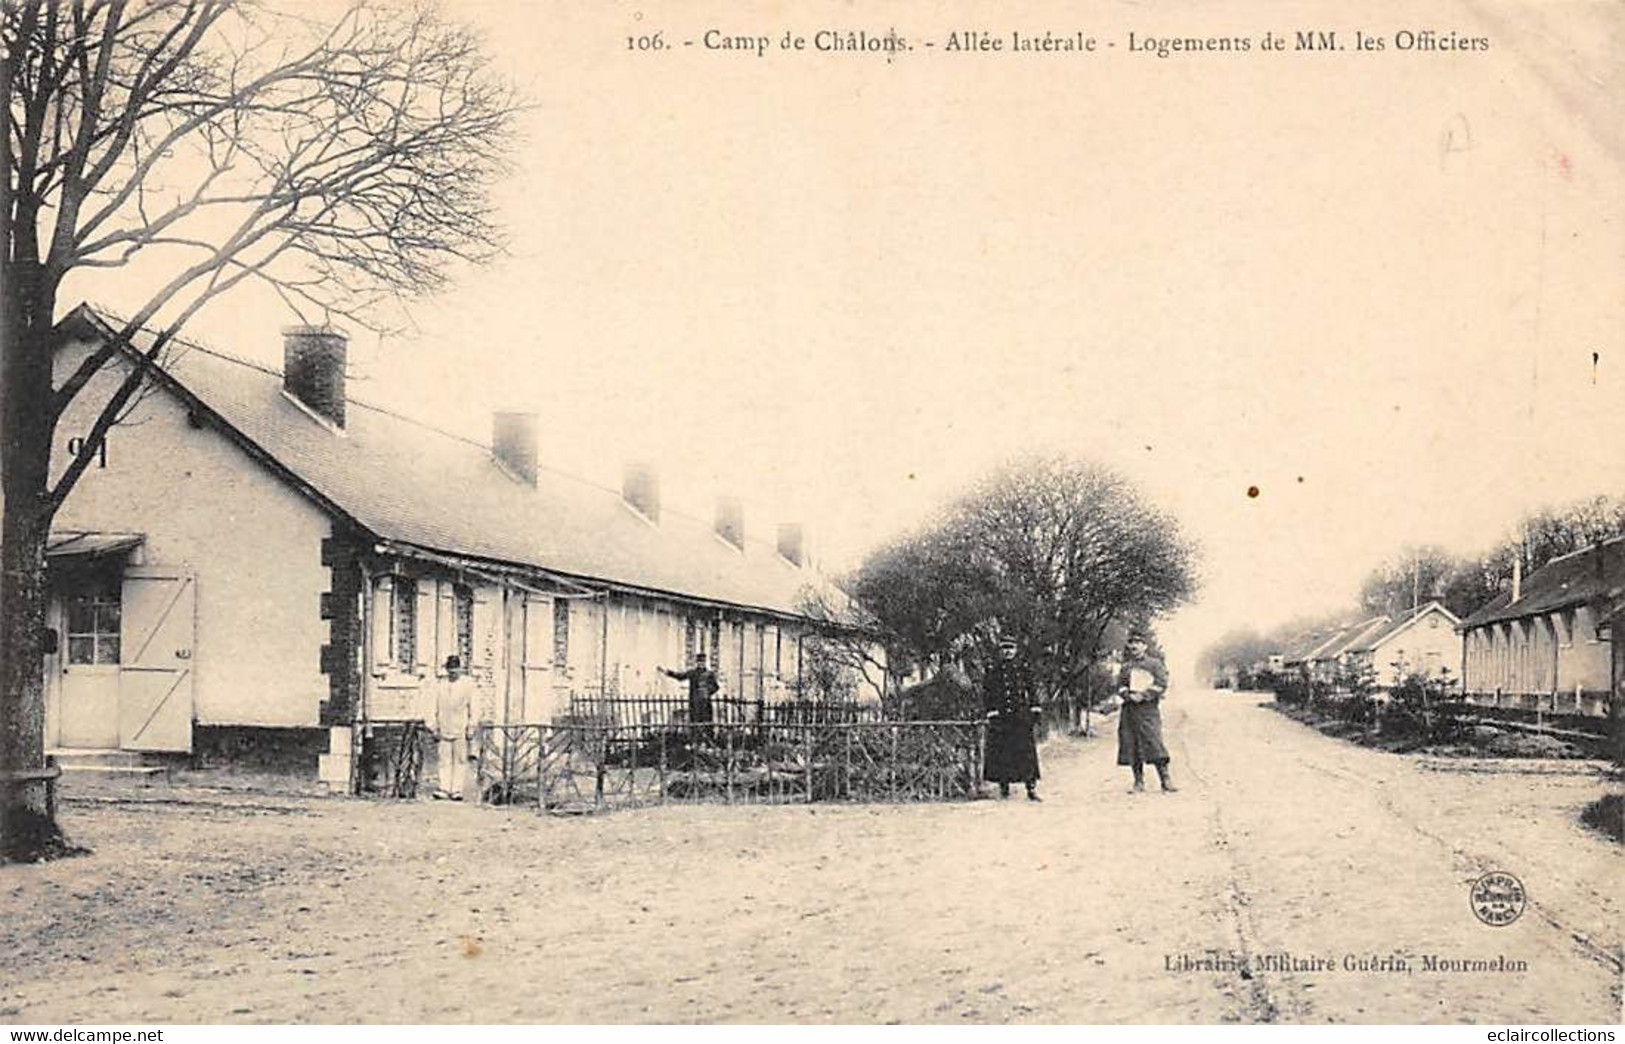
(1283, 846)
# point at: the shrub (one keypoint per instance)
(944, 697)
(1292, 691)
(1353, 695)
(1423, 708)
(1607, 816)
(1352, 708)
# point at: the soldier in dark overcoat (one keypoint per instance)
(1007, 696)
(702, 685)
(1142, 682)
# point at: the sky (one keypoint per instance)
(842, 288)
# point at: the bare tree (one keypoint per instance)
(844, 647)
(927, 595)
(1054, 549)
(344, 162)
(1411, 578)
(1553, 532)
(1465, 585)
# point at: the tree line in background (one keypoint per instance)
(1063, 553)
(1418, 575)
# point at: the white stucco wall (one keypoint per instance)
(1430, 645)
(1582, 657)
(253, 544)
(1520, 658)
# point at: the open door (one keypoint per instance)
(155, 673)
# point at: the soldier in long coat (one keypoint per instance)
(1142, 682)
(1007, 696)
(702, 685)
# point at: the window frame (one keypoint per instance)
(104, 602)
(561, 635)
(403, 621)
(462, 623)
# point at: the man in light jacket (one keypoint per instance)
(453, 725)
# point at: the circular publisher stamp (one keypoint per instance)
(1497, 898)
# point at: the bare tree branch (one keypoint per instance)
(91, 444)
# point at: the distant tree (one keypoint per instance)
(1540, 537)
(1235, 652)
(1476, 582)
(1413, 577)
(1284, 636)
(1554, 532)
(1053, 549)
(342, 159)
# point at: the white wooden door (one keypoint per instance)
(155, 673)
(87, 688)
(536, 673)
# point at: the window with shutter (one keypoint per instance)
(561, 634)
(383, 622)
(406, 623)
(427, 650)
(540, 630)
(463, 623)
(590, 646)
(759, 659)
(445, 625)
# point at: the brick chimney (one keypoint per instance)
(313, 369)
(792, 544)
(513, 443)
(640, 488)
(730, 523)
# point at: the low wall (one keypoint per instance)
(285, 751)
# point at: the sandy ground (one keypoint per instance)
(226, 906)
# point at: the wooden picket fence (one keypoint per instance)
(579, 768)
(673, 710)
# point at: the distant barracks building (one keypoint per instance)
(260, 569)
(1551, 644)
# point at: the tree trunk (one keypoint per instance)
(27, 826)
(28, 829)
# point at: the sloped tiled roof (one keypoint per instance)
(1354, 637)
(1572, 580)
(1299, 647)
(405, 481)
(1311, 645)
(1394, 627)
